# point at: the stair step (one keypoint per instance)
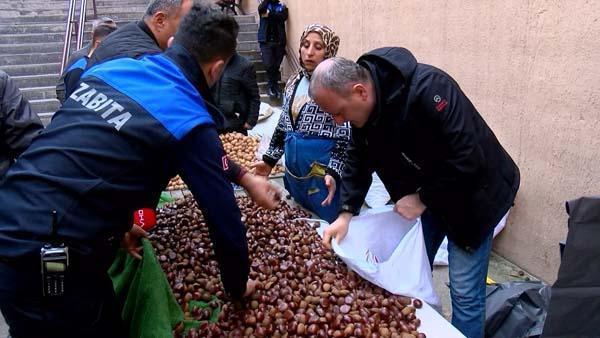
(266, 99)
(50, 47)
(64, 5)
(262, 86)
(245, 19)
(242, 37)
(43, 80)
(26, 58)
(31, 69)
(39, 93)
(247, 46)
(36, 38)
(253, 55)
(258, 65)
(49, 27)
(58, 18)
(249, 27)
(17, 11)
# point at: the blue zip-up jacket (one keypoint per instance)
(128, 127)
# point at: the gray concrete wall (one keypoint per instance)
(532, 68)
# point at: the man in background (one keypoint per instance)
(272, 40)
(236, 95)
(18, 124)
(73, 73)
(100, 28)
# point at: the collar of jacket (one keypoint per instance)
(193, 73)
(391, 69)
(143, 26)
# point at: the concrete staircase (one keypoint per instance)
(32, 38)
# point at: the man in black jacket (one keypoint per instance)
(236, 94)
(272, 40)
(18, 124)
(436, 156)
(100, 29)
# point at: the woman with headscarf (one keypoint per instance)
(314, 146)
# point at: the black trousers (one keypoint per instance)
(272, 55)
(88, 308)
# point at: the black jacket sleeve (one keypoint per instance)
(250, 87)
(201, 159)
(450, 112)
(18, 124)
(262, 7)
(357, 178)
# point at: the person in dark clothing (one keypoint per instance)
(134, 141)
(73, 73)
(236, 95)
(84, 52)
(18, 124)
(272, 41)
(150, 36)
(438, 159)
(147, 36)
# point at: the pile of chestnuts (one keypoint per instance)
(303, 289)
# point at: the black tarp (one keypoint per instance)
(575, 304)
(516, 309)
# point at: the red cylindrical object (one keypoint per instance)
(145, 218)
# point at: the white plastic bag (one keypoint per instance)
(388, 251)
(377, 196)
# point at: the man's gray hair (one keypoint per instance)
(338, 75)
(161, 5)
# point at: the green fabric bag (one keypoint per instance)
(148, 306)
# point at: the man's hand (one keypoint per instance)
(330, 184)
(247, 126)
(338, 229)
(131, 241)
(250, 287)
(410, 206)
(261, 168)
(261, 191)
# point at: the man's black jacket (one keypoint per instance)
(132, 40)
(236, 93)
(425, 136)
(18, 124)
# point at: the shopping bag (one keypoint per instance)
(389, 251)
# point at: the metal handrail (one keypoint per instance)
(82, 14)
(80, 29)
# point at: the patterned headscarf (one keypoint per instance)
(331, 41)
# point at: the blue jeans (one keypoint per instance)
(468, 272)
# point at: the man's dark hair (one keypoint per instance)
(207, 33)
(102, 30)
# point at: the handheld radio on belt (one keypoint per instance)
(55, 263)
